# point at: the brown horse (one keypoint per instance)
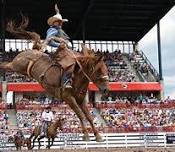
(19, 142)
(51, 132)
(87, 67)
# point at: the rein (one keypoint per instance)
(79, 64)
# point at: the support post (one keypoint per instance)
(160, 60)
(135, 46)
(2, 48)
(2, 27)
(4, 91)
(84, 31)
(2, 33)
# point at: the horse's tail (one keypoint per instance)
(21, 32)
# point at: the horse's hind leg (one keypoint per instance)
(70, 100)
(7, 66)
(90, 119)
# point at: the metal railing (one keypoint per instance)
(151, 67)
(111, 46)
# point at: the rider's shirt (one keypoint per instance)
(58, 32)
(47, 116)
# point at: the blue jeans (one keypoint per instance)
(44, 127)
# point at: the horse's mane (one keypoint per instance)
(20, 32)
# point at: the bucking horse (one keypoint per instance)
(85, 66)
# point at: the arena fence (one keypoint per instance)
(122, 140)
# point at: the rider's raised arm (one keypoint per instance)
(50, 38)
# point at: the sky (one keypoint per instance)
(148, 44)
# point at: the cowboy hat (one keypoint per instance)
(48, 108)
(56, 17)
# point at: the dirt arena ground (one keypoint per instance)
(107, 150)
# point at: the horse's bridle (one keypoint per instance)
(106, 77)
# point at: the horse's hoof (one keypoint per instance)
(86, 138)
(99, 139)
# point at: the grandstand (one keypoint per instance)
(134, 114)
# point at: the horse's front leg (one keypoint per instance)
(70, 100)
(90, 119)
(52, 141)
(39, 144)
(19, 148)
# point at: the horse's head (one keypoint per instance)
(59, 123)
(97, 71)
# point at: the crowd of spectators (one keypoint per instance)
(139, 119)
(3, 120)
(117, 67)
(30, 119)
(141, 64)
(14, 77)
(129, 99)
(39, 100)
(8, 56)
(119, 119)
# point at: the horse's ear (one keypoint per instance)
(84, 50)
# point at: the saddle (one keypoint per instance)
(65, 57)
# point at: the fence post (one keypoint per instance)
(126, 143)
(165, 140)
(86, 145)
(145, 140)
(45, 145)
(65, 142)
(107, 145)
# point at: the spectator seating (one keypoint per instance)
(119, 117)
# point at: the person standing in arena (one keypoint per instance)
(55, 36)
(46, 118)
